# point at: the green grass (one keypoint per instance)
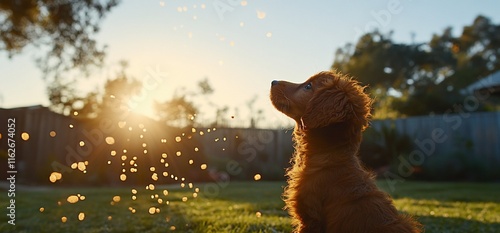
(239, 207)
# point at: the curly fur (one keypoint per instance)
(328, 188)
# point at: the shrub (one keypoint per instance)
(381, 147)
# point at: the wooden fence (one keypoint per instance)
(478, 133)
(100, 151)
(112, 148)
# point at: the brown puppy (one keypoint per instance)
(328, 188)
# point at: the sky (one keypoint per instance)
(240, 46)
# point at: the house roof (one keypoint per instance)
(490, 83)
(32, 107)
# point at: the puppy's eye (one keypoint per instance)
(308, 86)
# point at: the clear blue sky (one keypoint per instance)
(242, 49)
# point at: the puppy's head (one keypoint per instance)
(324, 99)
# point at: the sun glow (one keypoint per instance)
(152, 89)
(145, 107)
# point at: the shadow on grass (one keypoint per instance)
(456, 225)
(443, 191)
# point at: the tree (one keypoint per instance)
(177, 112)
(221, 117)
(64, 98)
(118, 93)
(113, 101)
(64, 26)
(378, 61)
(205, 87)
(477, 51)
(419, 78)
(255, 116)
(180, 111)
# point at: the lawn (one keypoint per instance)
(237, 207)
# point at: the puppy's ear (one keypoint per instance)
(327, 107)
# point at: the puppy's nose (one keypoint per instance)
(274, 82)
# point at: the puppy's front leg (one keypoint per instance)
(309, 211)
(310, 226)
